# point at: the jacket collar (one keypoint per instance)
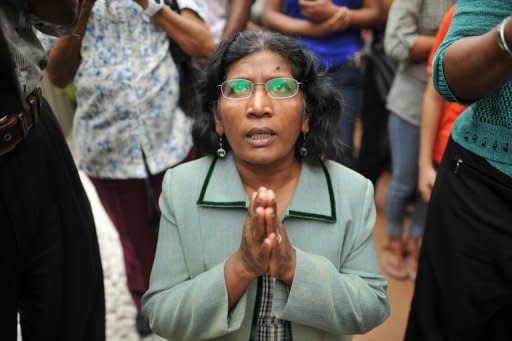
(313, 197)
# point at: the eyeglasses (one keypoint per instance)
(279, 88)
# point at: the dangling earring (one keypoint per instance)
(303, 151)
(221, 152)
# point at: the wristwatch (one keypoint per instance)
(153, 7)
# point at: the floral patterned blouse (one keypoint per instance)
(127, 92)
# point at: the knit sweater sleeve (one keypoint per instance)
(471, 18)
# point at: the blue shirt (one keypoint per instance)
(333, 49)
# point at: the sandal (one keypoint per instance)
(412, 248)
(393, 261)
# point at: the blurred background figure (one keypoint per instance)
(464, 285)
(51, 268)
(379, 71)
(410, 33)
(437, 117)
(128, 128)
(331, 29)
(227, 17)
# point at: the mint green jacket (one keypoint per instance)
(337, 290)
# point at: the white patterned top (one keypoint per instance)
(127, 92)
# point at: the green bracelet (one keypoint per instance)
(502, 41)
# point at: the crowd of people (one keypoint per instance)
(252, 218)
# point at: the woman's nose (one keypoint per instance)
(260, 103)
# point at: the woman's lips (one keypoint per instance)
(260, 137)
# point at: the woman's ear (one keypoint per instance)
(219, 125)
(305, 123)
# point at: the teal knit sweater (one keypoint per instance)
(485, 128)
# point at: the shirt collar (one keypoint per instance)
(313, 197)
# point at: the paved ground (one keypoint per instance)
(119, 307)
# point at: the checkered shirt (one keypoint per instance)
(269, 327)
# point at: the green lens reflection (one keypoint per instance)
(238, 88)
(281, 87)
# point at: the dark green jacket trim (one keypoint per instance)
(200, 201)
(332, 217)
(292, 213)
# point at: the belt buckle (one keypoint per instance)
(14, 128)
(34, 101)
(8, 136)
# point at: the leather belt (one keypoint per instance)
(15, 127)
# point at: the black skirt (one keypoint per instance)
(464, 284)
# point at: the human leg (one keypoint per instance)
(404, 141)
(413, 243)
(348, 80)
(374, 157)
(129, 206)
(464, 282)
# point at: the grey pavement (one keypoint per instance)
(120, 310)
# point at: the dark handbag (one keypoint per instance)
(191, 74)
(384, 68)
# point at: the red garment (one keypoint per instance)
(451, 110)
(126, 203)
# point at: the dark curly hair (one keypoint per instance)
(321, 98)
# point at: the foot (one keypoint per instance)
(393, 261)
(142, 325)
(412, 249)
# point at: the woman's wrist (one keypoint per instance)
(239, 269)
(503, 34)
(289, 274)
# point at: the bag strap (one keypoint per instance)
(173, 4)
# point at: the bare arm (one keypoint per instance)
(237, 279)
(430, 116)
(367, 16)
(273, 19)
(321, 10)
(325, 17)
(64, 57)
(482, 58)
(238, 16)
(402, 40)
(384, 6)
(187, 29)
(61, 12)
(421, 48)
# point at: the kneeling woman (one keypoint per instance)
(265, 238)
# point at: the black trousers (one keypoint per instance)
(464, 285)
(49, 255)
(374, 153)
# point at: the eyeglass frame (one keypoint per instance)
(256, 84)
